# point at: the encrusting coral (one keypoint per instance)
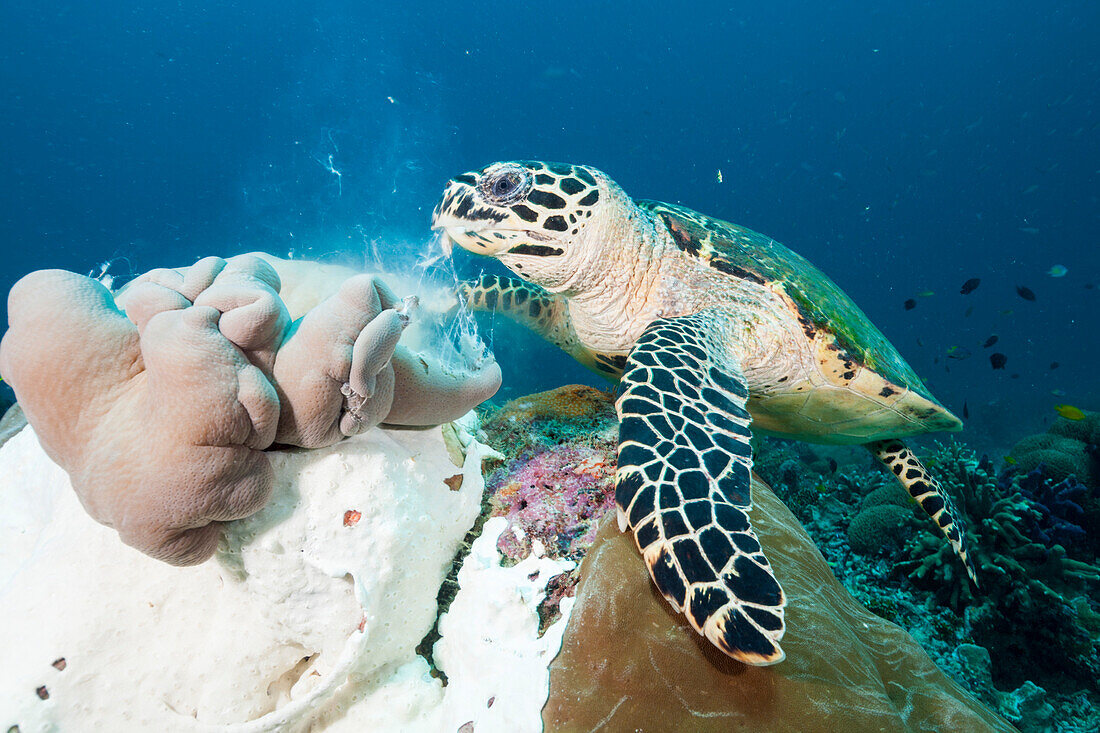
(161, 413)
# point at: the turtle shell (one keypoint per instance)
(822, 308)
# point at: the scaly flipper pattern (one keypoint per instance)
(931, 497)
(683, 487)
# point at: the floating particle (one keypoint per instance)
(352, 517)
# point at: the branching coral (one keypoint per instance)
(1057, 506)
(1023, 608)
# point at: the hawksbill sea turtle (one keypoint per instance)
(711, 328)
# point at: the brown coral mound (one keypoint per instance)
(629, 662)
(570, 401)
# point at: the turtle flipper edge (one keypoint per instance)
(545, 313)
(931, 497)
(683, 487)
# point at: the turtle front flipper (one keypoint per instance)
(931, 497)
(683, 487)
(541, 311)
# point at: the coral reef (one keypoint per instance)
(1067, 449)
(557, 480)
(1058, 508)
(161, 413)
(1018, 623)
(560, 458)
(879, 525)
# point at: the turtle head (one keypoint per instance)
(542, 220)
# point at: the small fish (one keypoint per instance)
(1010, 460)
(719, 175)
(1025, 293)
(1031, 189)
(920, 343)
(957, 352)
(1058, 271)
(926, 294)
(1069, 412)
(1006, 312)
(966, 412)
(998, 360)
(968, 312)
(970, 286)
(1058, 392)
(832, 465)
(1029, 230)
(990, 341)
(1054, 365)
(910, 304)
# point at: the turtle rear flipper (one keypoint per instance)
(928, 493)
(683, 488)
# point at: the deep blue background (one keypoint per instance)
(903, 147)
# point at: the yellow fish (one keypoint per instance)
(1010, 460)
(926, 294)
(1070, 412)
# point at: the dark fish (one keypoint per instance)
(1025, 293)
(910, 304)
(990, 341)
(966, 412)
(832, 465)
(970, 286)
(968, 312)
(998, 360)
(1054, 365)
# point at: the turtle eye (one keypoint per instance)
(505, 185)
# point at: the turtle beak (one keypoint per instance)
(468, 222)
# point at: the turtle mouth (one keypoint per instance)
(483, 239)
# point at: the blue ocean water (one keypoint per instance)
(903, 147)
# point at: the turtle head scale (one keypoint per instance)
(539, 219)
